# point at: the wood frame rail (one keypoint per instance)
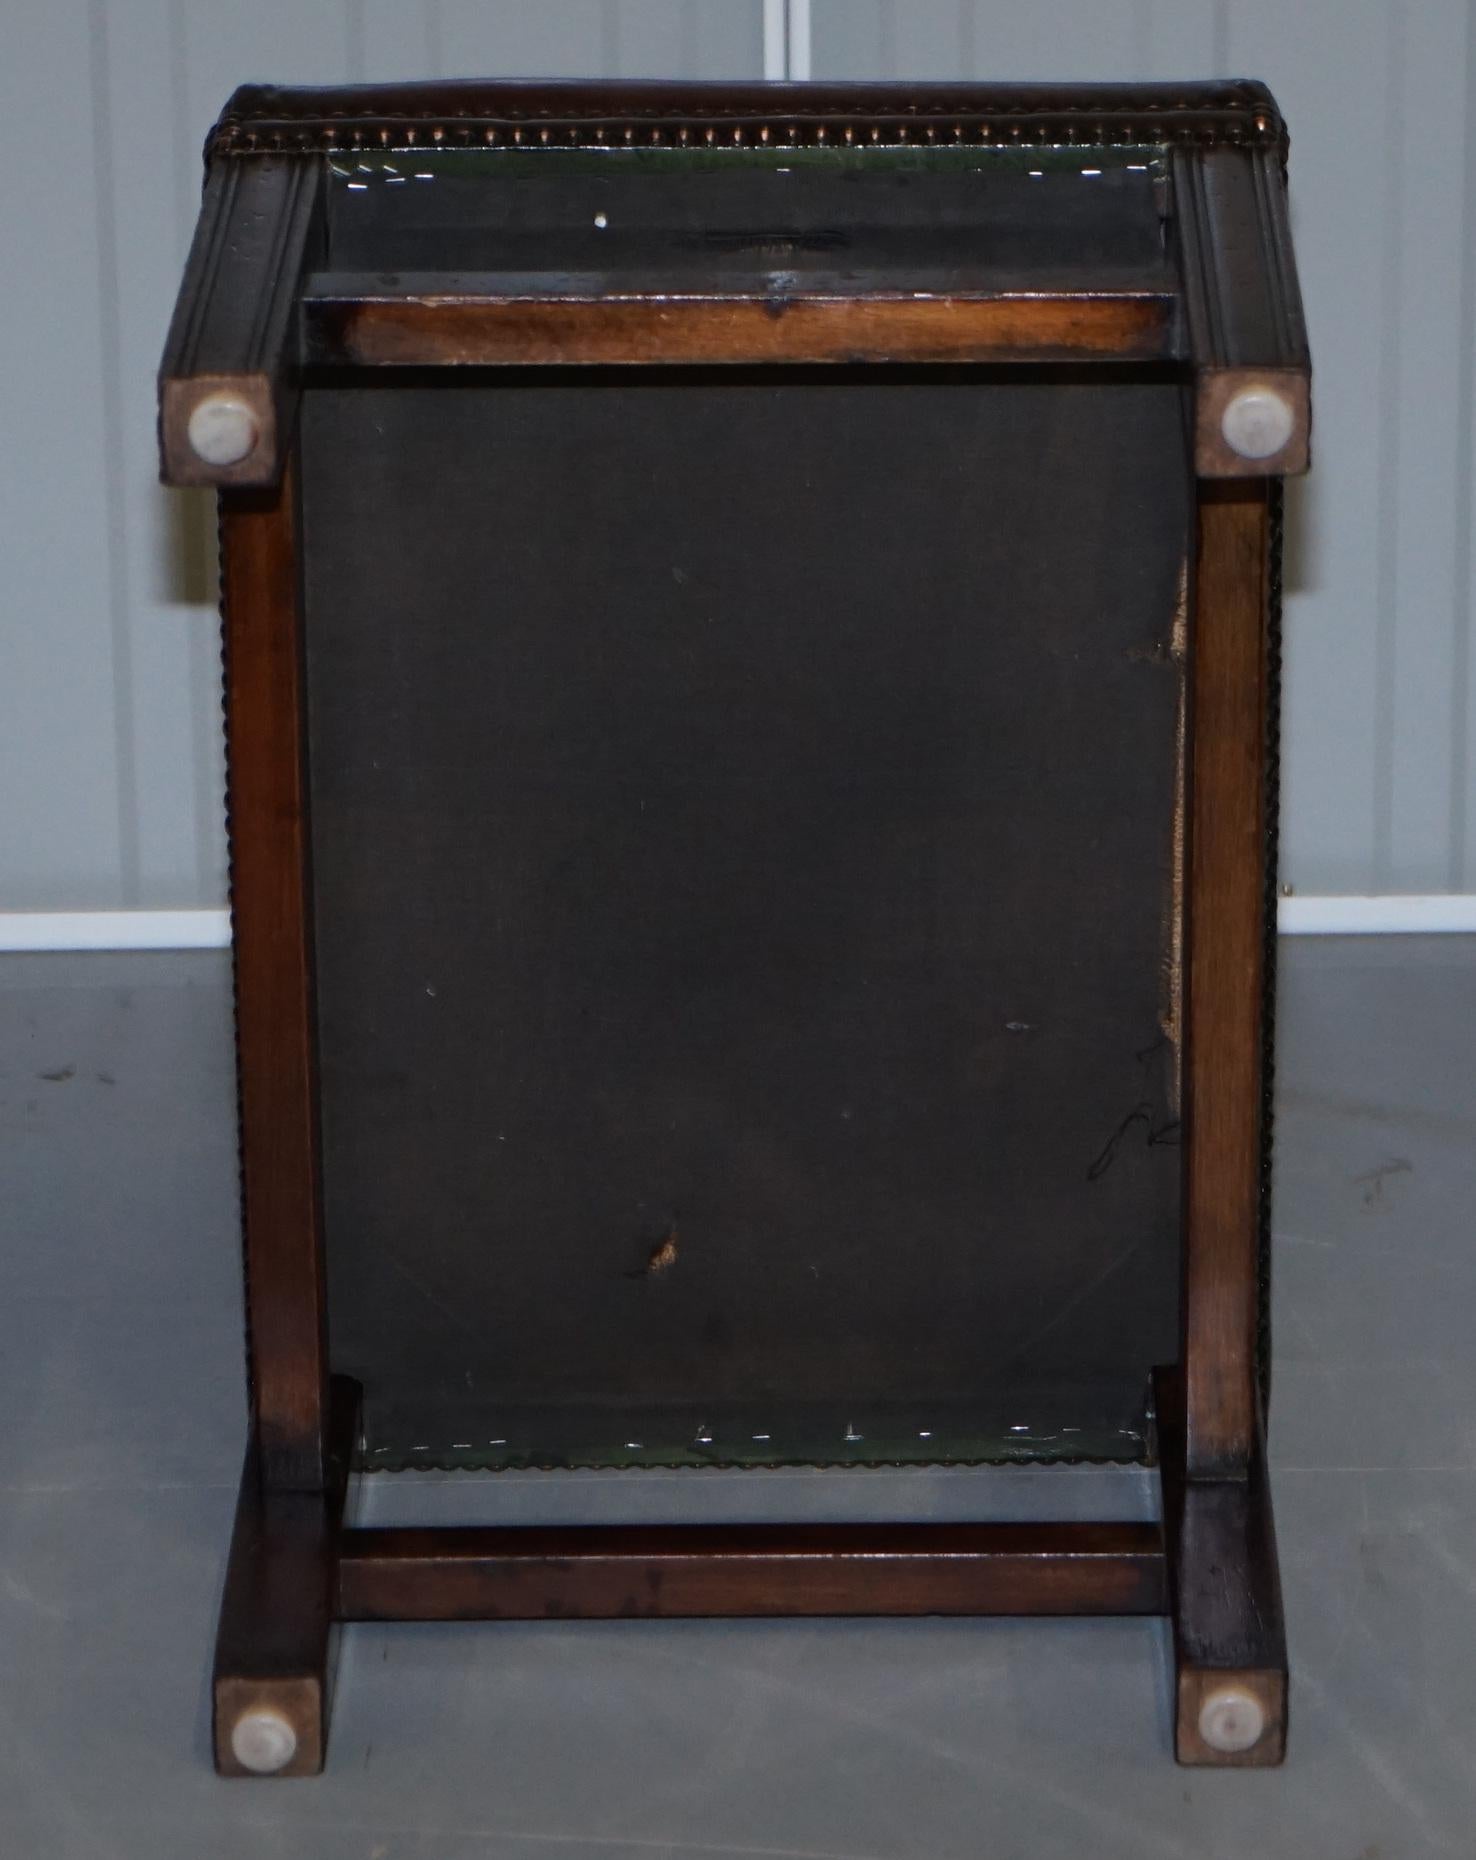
(254, 312)
(468, 1574)
(236, 346)
(295, 1570)
(353, 322)
(276, 1046)
(1211, 1563)
(1224, 940)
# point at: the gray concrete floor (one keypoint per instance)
(123, 1422)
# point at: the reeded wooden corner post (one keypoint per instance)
(1224, 974)
(1230, 1651)
(271, 1671)
(1242, 312)
(228, 382)
(1224, 1593)
(273, 1648)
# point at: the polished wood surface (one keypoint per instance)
(860, 1569)
(246, 323)
(1228, 319)
(1243, 320)
(620, 112)
(1224, 1590)
(235, 323)
(1225, 953)
(273, 1646)
(266, 798)
(438, 330)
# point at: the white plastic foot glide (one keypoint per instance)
(1257, 423)
(222, 430)
(1231, 1720)
(263, 1742)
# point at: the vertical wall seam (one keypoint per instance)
(799, 40)
(110, 357)
(1140, 50)
(792, 43)
(887, 62)
(1386, 579)
(968, 39)
(788, 38)
(187, 167)
(353, 40)
(776, 38)
(207, 752)
(1463, 580)
(689, 57)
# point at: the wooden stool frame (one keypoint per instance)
(248, 319)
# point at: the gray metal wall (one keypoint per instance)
(109, 713)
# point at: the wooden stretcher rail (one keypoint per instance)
(466, 1573)
(346, 324)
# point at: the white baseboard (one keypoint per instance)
(1406, 913)
(776, 40)
(33, 931)
(799, 46)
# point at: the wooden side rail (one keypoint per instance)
(853, 1569)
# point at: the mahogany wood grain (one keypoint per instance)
(1224, 1590)
(860, 1569)
(467, 331)
(260, 119)
(276, 1618)
(251, 314)
(1242, 305)
(235, 323)
(1223, 975)
(267, 802)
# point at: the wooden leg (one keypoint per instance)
(1225, 1598)
(1225, 949)
(271, 890)
(276, 1617)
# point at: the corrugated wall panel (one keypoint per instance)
(1327, 59)
(1461, 715)
(67, 823)
(952, 38)
(163, 546)
(109, 717)
(1415, 757)
(623, 38)
(1379, 696)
